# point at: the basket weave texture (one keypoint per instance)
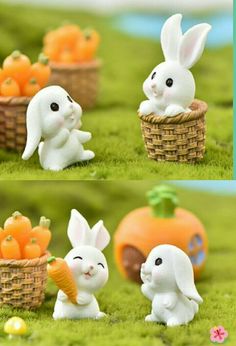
(13, 122)
(22, 282)
(80, 80)
(180, 138)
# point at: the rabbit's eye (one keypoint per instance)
(153, 75)
(54, 107)
(100, 264)
(158, 261)
(78, 257)
(169, 82)
(69, 98)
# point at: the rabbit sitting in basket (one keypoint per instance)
(168, 282)
(53, 115)
(88, 266)
(170, 88)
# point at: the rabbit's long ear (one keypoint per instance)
(101, 236)
(184, 275)
(33, 124)
(78, 229)
(170, 37)
(192, 44)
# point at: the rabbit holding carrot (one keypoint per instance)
(88, 267)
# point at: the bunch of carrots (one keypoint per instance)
(19, 240)
(18, 77)
(68, 44)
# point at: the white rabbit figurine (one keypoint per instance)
(170, 88)
(54, 116)
(168, 282)
(88, 266)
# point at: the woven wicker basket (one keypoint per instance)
(13, 122)
(22, 282)
(80, 80)
(180, 138)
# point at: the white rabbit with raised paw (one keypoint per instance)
(88, 266)
(168, 282)
(170, 88)
(55, 117)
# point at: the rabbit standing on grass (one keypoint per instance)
(88, 266)
(168, 282)
(170, 88)
(54, 116)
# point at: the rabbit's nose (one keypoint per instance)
(91, 267)
(153, 86)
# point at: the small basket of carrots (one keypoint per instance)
(23, 261)
(72, 54)
(19, 81)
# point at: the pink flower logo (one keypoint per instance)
(218, 334)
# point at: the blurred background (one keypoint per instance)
(145, 18)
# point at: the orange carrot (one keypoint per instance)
(52, 51)
(2, 76)
(41, 70)
(19, 227)
(66, 56)
(87, 46)
(17, 66)
(10, 248)
(2, 236)
(32, 249)
(31, 88)
(61, 274)
(42, 233)
(10, 87)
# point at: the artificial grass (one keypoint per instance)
(114, 123)
(120, 299)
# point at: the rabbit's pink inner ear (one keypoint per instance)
(192, 44)
(102, 236)
(171, 34)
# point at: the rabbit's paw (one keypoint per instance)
(146, 108)
(87, 155)
(169, 303)
(57, 316)
(54, 168)
(151, 318)
(100, 315)
(62, 296)
(173, 110)
(84, 298)
(172, 322)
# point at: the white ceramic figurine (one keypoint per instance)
(88, 266)
(55, 117)
(168, 282)
(170, 88)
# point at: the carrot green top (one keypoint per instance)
(163, 200)
(43, 59)
(44, 222)
(51, 259)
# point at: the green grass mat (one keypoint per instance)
(114, 123)
(121, 299)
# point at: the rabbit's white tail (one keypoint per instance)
(194, 306)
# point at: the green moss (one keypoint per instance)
(114, 123)
(121, 299)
